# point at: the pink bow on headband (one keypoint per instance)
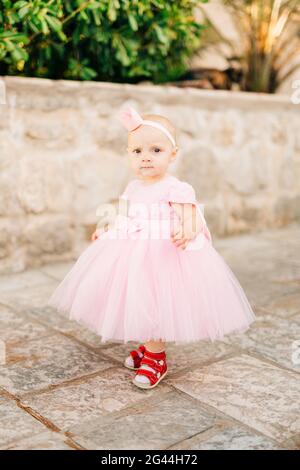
(131, 120)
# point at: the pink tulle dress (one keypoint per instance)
(134, 284)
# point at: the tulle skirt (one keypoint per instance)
(145, 289)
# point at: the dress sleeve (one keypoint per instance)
(183, 192)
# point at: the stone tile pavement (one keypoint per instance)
(60, 388)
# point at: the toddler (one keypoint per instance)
(154, 276)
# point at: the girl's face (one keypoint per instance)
(150, 152)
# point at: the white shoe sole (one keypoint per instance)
(130, 367)
(146, 386)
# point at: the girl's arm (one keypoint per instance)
(191, 224)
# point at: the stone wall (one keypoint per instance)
(62, 153)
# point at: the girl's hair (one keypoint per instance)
(164, 121)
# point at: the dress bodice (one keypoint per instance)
(150, 213)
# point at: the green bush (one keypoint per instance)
(107, 40)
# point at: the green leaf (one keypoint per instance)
(88, 73)
(20, 4)
(53, 22)
(133, 22)
(161, 36)
(23, 11)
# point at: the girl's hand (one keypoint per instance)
(95, 235)
(182, 236)
(99, 231)
(191, 225)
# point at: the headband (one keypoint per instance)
(131, 119)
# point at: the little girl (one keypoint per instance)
(154, 276)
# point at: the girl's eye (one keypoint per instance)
(156, 150)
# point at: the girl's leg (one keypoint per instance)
(155, 346)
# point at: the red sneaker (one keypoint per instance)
(153, 366)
